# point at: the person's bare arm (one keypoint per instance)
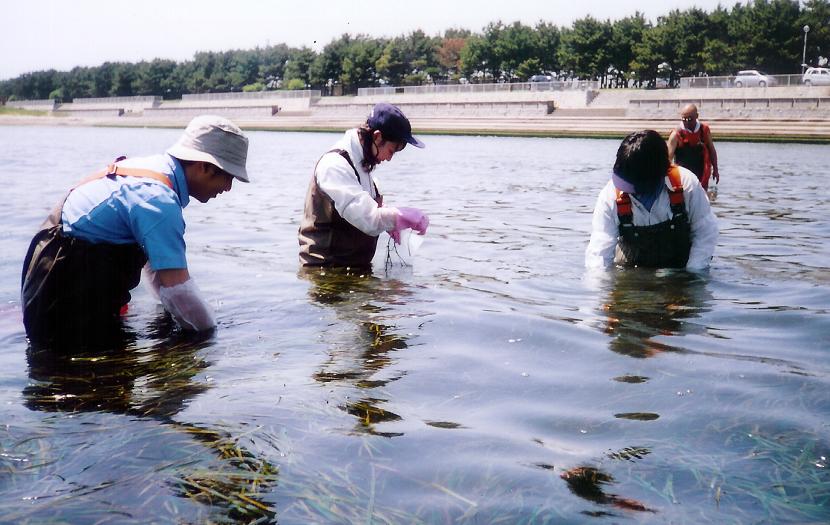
(672, 143)
(713, 157)
(172, 277)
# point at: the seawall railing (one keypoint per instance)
(797, 108)
(480, 88)
(252, 95)
(134, 101)
(34, 105)
(733, 81)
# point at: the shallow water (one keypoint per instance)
(491, 381)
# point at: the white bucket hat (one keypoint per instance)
(217, 140)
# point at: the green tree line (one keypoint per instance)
(632, 51)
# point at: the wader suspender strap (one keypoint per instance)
(345, 154)
(676, 201)
(624, 211)
(54, 217)
(114, 170)
(678, 205)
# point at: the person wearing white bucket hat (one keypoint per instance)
(89, 253)
(215, 140)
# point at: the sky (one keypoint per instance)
(51, 34)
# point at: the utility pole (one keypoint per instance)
(804, 52)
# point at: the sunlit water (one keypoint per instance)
(493, 381)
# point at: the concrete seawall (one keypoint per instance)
(795, 113)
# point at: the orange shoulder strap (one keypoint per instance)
(623, 204)
(121, 171)
(674, 177)
(675, 185)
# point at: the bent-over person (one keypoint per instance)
(651, 213)
(89, 253)
(344, 212)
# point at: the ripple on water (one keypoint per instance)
(492, 380)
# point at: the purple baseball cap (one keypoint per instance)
(392, 124)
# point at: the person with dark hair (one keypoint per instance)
(651, 213)
(344, 212)
(89, 254)
(692, 147)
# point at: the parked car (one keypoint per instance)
(753, 77)
(816, 76)
(541, 78)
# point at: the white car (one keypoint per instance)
(816, 76)
(541, 78)
(753, 77)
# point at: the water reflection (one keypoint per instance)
(154, 381)
(590, 483)
(361, 303)
(754, 431)
(643, 304)
(150, 382)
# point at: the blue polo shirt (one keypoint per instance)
(123, 210)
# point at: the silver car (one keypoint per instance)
(541, 78)
(752, 78)
(816, 76)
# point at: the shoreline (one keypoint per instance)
(745, 130)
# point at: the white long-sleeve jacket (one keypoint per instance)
(354, 200)
(606, 223)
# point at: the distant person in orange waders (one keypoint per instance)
(691, 146)
(89, 253)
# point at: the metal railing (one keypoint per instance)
(40, 104)
(135, 100)
(741, 81)
(480, 88)
(253, 95)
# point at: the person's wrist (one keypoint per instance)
(389, 217)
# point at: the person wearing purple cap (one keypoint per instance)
(344, 212)
(651, 213)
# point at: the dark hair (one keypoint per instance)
(370, 160)
(643, 159)
(187, 163)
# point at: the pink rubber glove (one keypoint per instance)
(412, 218)
(409, 218)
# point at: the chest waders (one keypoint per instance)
(73, 290)
(692, 153)
(326, 238)
(663, 245)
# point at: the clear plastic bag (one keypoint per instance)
(712, 191)
(404, 253)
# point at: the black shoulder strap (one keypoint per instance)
(345, 154)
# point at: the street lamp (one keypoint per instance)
(804, 52)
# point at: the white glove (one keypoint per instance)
(151, 282)
(185, 304)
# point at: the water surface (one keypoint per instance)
(491, 381)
